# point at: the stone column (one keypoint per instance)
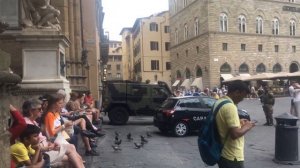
(8, 81)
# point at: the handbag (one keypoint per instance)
(62, 138)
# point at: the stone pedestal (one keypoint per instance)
(43, 55)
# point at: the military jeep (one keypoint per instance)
(122, 99)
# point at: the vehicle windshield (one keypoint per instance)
(169, 103)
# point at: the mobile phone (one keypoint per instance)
(254, 121)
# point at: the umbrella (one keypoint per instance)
(262, 76)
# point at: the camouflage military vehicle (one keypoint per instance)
(122, 99)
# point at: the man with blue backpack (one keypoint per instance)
(221, 139)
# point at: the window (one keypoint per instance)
(118, 66)
(259, 25)
(198, 72)
(167, 29)
(242, 24)
(243, 47)
(225, 68)
(117, 58)
(110, 58)
(109, 75)
(186, 53)
(224, 46)
(187, 74)
(293, 49)
(186, 32)
(168, 65)
(108, 67)
(276, 47)
(176, 36)
(292, 28)
(153, 27)
(223, 22)
(260, 47)
(153, 45)
(275, 26)
(118, 75)
(197, 50)
(292, 1)
(184, 3)
(167, 46)
(196, 27)
(154, 65)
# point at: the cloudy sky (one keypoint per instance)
(123, 13)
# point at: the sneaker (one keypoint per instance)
(100, 134)
(266, 124)
(91, 153)
(93, 145)
(88, 134)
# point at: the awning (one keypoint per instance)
(245, 74)
(226, 76)
(198, 83)
(186, 83)
(176, 83)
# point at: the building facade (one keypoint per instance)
(215, 39)
(114, 66)
(150, 44)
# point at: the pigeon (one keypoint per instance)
(143, 139)
(129, 138)
(116, 148)
(148, 135)
(117, 134)
(118, 142)
(137, 145)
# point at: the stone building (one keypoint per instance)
(127, 53)
(150, 43)
(114, 66)
(215, 39)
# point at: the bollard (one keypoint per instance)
(286, 140)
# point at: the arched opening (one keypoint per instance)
(294, 67)
(225, 68)
(277, 68)
(261, 68)
(187, 73)
(178, 74)
(244, 68)
(198, 72)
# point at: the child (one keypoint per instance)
(27, 151)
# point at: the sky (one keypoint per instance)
(123, 13)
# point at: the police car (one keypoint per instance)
(182, 115)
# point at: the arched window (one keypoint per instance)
(242, 24)
(187, 73)
(259, 25)
(198, 72)
(178, 74)
(275, 26)
(223, 22)
(277, 68)
(176, 36)
(225, 68)
(186, 32)
(292, 27)
(244, 68)
(196, 27)
(261, 68)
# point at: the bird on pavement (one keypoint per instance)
(137, 145)
(118, 142)
(116, 148)
(143, 139)
(129, 138)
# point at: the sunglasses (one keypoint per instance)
(39, 109)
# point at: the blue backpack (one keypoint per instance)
(209, 143)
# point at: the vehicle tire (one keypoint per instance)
(181, 129)
(118, 116)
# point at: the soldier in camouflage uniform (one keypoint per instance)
(268, 100)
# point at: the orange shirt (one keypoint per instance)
(52, 121)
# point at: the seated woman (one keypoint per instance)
(52, 122)
(89, 102)
(32, 110)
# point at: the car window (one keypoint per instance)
(169, 103)
(190, 103)
(208, 102)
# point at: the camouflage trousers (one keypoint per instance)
(268, 110)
